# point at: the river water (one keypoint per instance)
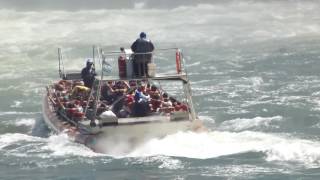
(254, 68)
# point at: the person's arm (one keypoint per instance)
(110, 88)
(94, 71)
(151, 46)
(126, 84)
(83, 73)
(145, 97)
(134, 46)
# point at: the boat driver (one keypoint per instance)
(88, 74)
(143, 47)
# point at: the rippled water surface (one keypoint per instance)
(254, 68)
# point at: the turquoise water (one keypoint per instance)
(254, 68)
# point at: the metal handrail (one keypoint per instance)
(112, 53)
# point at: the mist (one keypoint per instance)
(74, 5)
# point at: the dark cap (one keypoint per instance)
(143, 35)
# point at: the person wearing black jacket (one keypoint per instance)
(143, 48)
(88, 74)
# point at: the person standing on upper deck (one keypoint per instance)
(144, 48)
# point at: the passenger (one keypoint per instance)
(177, 106)
(120, 88)
(132, 84)
(184, 107)
(130, 99)
(143, 48)
(148, 88)
(141, 105)
(101, 108)
(155, 103)
(127, 106)
(143, 96)
(122, 52)
(166, 104)
(67, 84)
(77, 83)
(77, 111)
(154, 91)
(59, 87)
(88, 74)
(166, 100)
(107, 93)
(62, 85)
(122, 63)
(80, 92)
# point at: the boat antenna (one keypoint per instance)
(61, 72)
(59, 58)
(93, 56)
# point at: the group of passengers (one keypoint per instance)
(137, 98)
(71, 96)
(124, 98)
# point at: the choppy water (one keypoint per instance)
(254, 68)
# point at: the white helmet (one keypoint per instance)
(89, 61)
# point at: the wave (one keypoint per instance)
(17, 113)
(217, 23)
(206, 145)
(54, 146)
(241, 124)
(25, 122)
(220, 143)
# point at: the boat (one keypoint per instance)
(97, 118)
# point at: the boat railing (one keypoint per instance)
(168, 61)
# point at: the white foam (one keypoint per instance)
(218, 143)
(61, 145)
(277, 147)
(139, 5)
(241, 170)
(55, 145)
(25, 122)
(16, 104)
(241, 124)
(164, 162)
(206, 118)
(9, 88)
(256, 81)
(16, 112)
(13, 138)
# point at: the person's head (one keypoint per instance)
(140, 89)
(132, 83)
(122, 49)
(118, 84)
(172, 99)
(143, 35)
(89, 62)
(157, 96)
(153, 88)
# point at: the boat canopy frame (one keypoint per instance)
(180, 75)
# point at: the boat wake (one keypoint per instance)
(205, 145)
(276, 147)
